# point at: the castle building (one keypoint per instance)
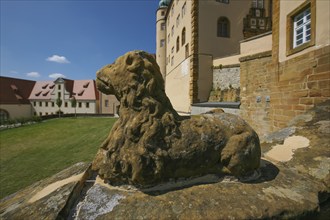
(268, 58)
(191, 34)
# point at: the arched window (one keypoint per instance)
(223, 27)
(4, 115)
(183, 36)
(177, 44)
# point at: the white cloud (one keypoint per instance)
(58, 59)
(56, 75)
(33, 74)
(13, 72)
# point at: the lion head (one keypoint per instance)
(133, 74)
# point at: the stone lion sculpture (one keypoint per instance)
(150, 143)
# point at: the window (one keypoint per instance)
(4, 115)
(162, 43)
(40, 113)
(168, 38)
(87, 104)
(46, 104)
(40, 104)
(172, 10)
(59, 87)
(106, 103)
(183, 36)
(183, 10)
(79, 104)
(172, 50)
(257, 3)
(66, 104)
(172, 61)
(34, 103)
(172, 32)
(59, 94)
(223, 1)
(178, 21)
(53, 104)
(162, 26)
(187, 51)
(223, 27)
(163, 13)
(177, 44)
(301, 27)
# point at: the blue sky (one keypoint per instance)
(74, 38)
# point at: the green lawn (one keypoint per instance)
(34, 152)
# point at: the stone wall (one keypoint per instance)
(226, 84)
(273, 93)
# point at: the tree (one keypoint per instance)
(74, 105)
(59, 104)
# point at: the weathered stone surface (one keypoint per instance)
(275, 194)
(46, 199)
(150, 143)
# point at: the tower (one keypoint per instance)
(161, 36)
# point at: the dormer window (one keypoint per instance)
(18, 97)
(86, 85)
(81, 92)
(14, 87)
(45, 86)
(38, 93)
(45, 93)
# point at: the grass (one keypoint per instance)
(34, 152)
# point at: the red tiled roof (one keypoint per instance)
(15, 91)
(85, 90)
(42, 90)
(19, 91)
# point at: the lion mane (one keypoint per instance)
(150, 143)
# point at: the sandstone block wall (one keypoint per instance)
(273, 93)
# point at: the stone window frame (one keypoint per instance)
(178, 44)
(162, 42)
(178, 20)
(183, 9)
(187, 50)
(221, 31)
(162, 26)
(183, 36)
(290, 49)
(258, 4)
